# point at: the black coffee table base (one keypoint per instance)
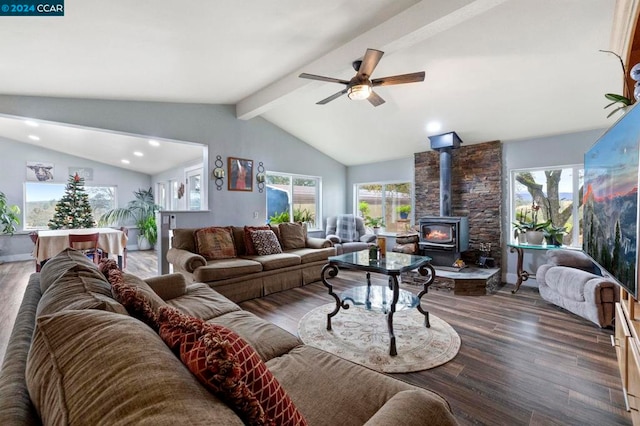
(376, 297)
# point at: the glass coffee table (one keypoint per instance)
(385, 299)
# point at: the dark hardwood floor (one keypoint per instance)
(522, 361)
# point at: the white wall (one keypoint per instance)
(13, 175)
(549, 151)
(213, 125)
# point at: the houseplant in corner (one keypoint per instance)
(142, 212)
(9, 216)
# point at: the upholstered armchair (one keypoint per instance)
(572, 281)
(343, 242)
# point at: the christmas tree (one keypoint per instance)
(73, 210)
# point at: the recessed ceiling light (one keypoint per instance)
(154, 142)
(434, 126)
(124, 161)
(138, 153)
(31, 123)
(34, 137)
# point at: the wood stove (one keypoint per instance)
(443, 238)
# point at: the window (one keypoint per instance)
(389, 201)
(41, 199)
(557, 191)
(293, 198)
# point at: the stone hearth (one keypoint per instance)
(469, 281)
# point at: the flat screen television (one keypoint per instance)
(610, 214)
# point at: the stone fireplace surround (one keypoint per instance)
(476, 192)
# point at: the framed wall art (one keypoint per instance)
(240, 174)
(39, 172)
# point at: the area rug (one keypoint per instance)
(362, 336)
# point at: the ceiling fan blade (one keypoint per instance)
(321, 78)
(332, 97)
(369, 62)
(375, 99)
(399, 79)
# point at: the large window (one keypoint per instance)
(558, 194)
(389, 201)
(293, 198)
(41, 199)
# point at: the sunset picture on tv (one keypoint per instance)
(611, 200)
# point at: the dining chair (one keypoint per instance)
(91, 251)
(34, 238)
(125, 230)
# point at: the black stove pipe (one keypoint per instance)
(444, 143)
(445, 182)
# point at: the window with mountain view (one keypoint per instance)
(41, 199)
(556, 193)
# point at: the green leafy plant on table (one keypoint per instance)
(374, 222)
(553, 234)
(141, 211)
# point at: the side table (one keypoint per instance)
(519, 249)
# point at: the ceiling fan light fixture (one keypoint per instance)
(359, 92)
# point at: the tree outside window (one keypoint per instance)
(558, 193)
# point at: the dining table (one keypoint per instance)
(51, 242)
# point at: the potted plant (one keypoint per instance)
(553, 234)
(404, 211)
(622, 101)
(374, 222)
(535, 230)
(9, 216)
(142, 211)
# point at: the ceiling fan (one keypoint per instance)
(361, 86)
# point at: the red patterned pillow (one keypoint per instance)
(229, 367)
(248, 242)
(215, 243)
(131, 297)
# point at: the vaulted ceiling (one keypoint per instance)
(495, 69)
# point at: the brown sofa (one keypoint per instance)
(248, 276)
(75, 356)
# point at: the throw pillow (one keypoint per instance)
(265, 242)
(134, 294)
(215, 243)
(228, 366)
(294, 235)
(346, 228)
(248, 242)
